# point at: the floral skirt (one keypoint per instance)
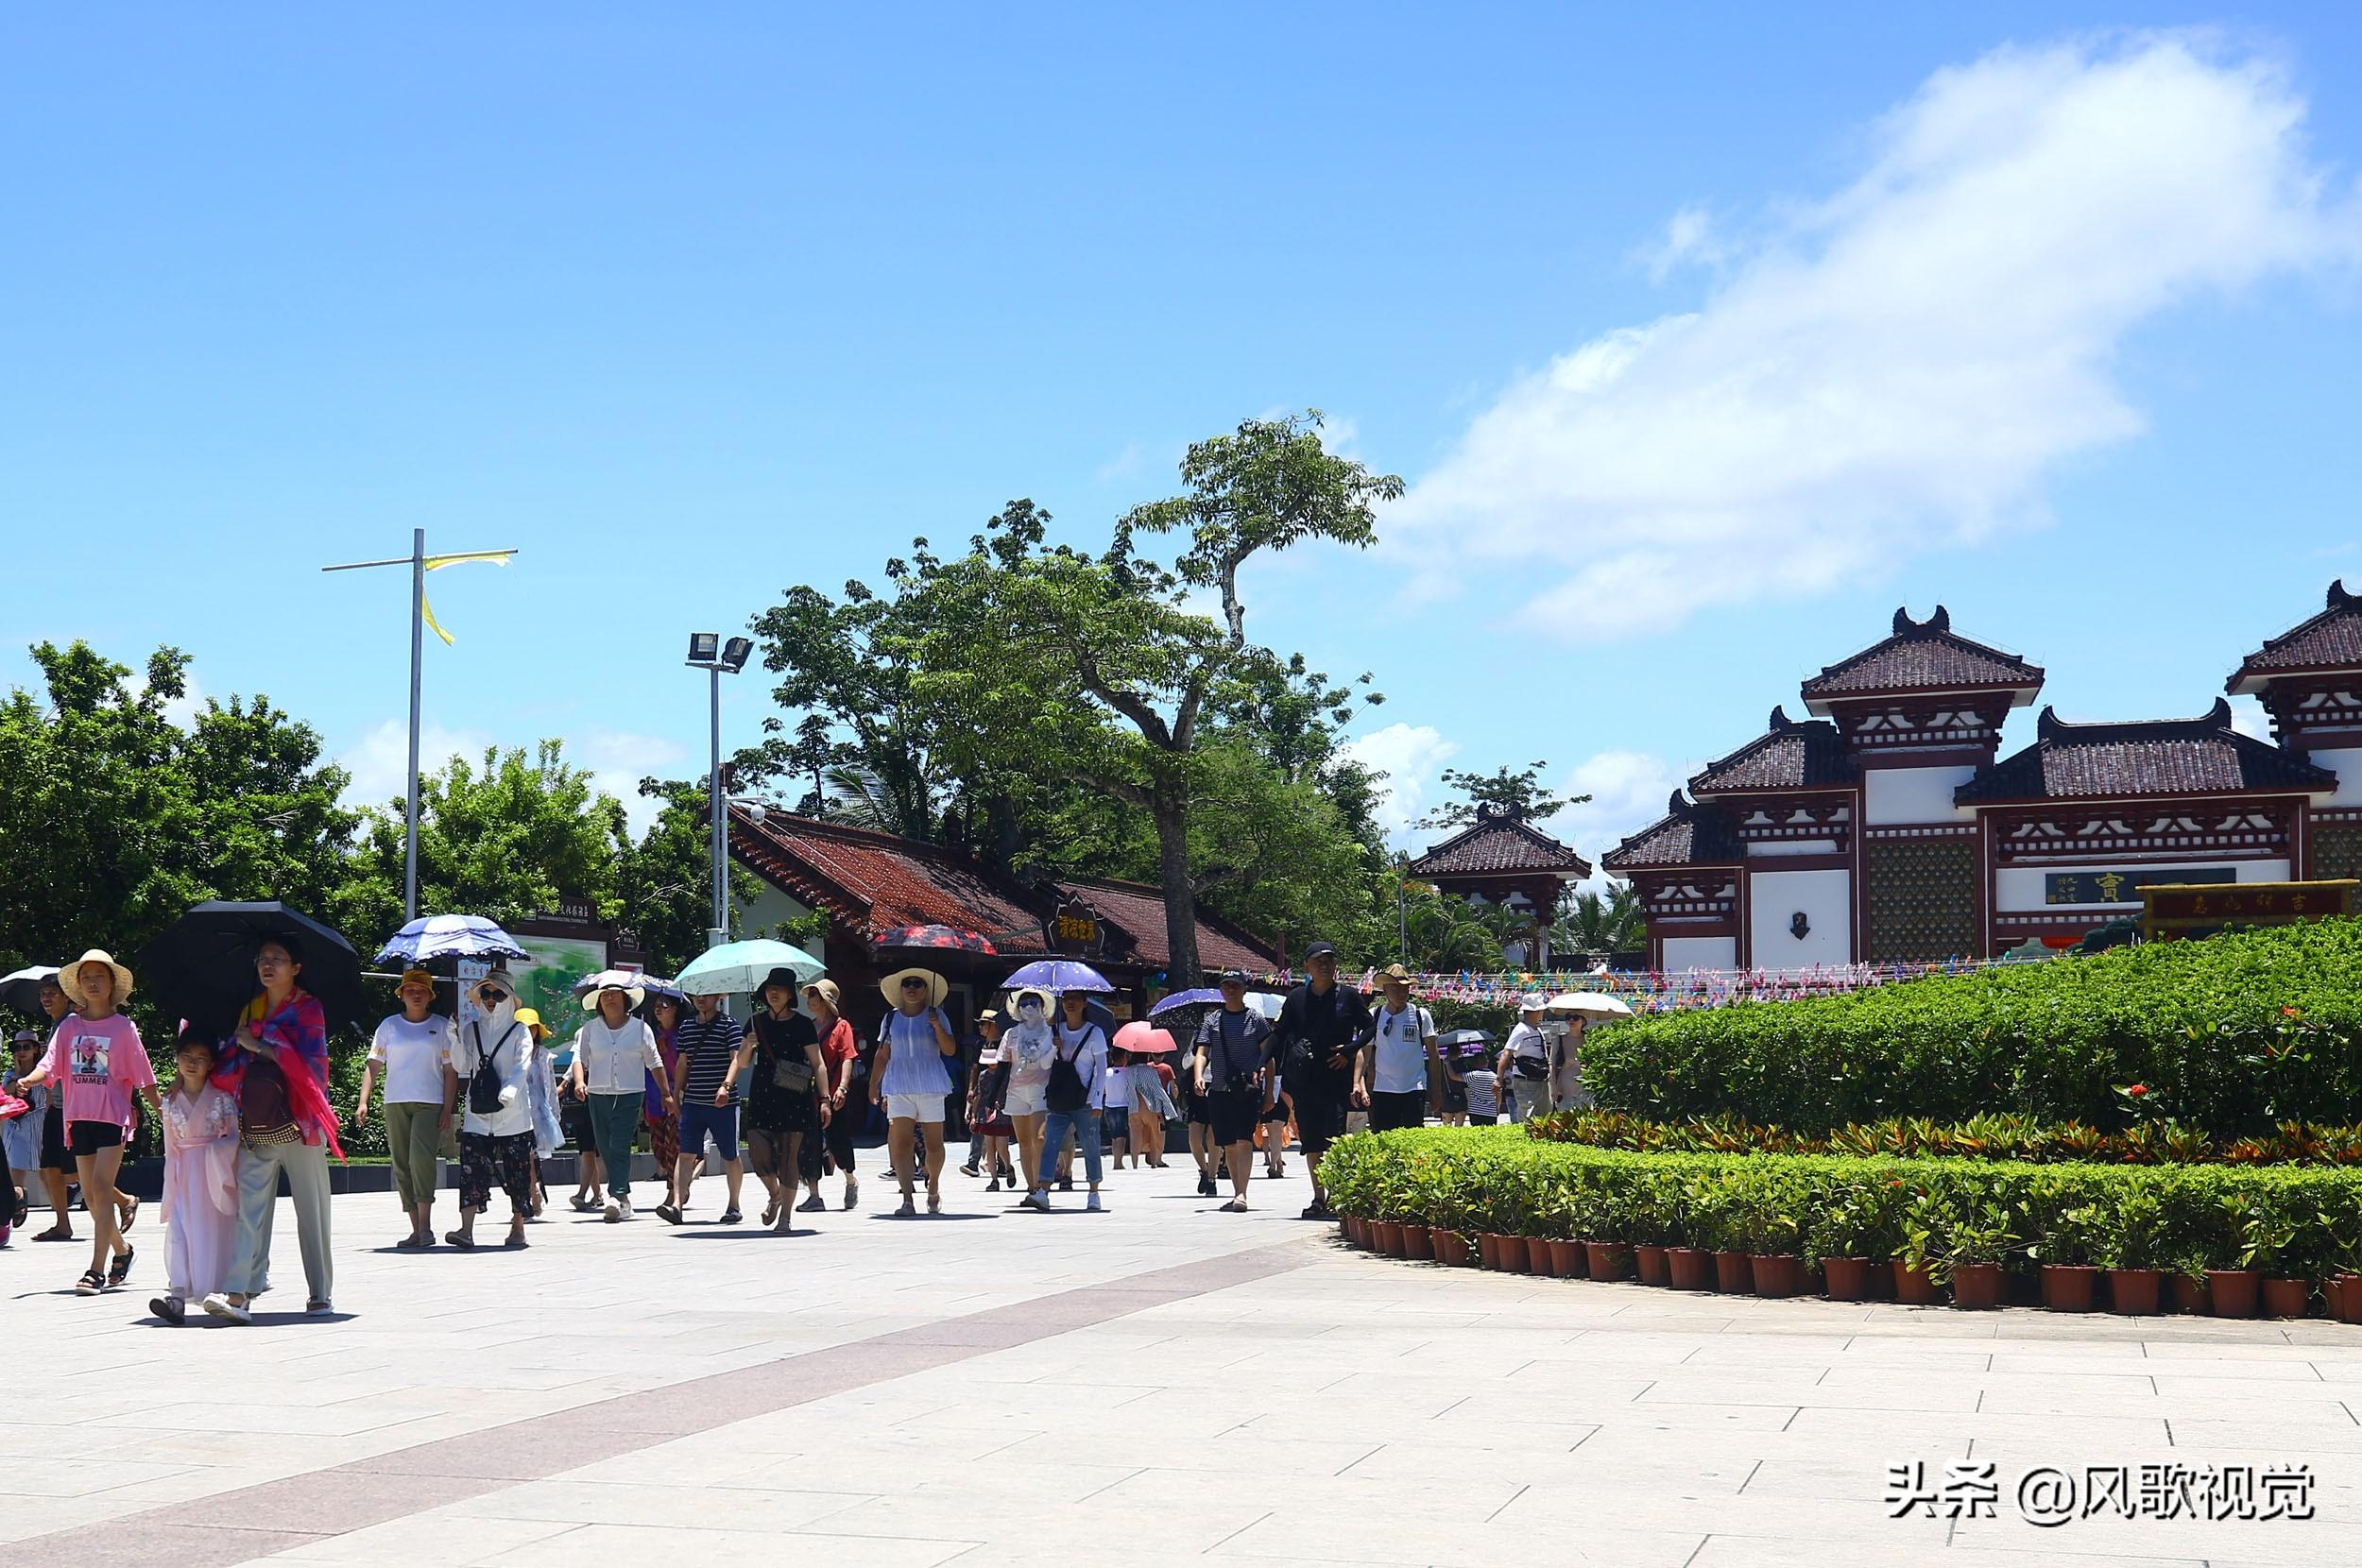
(504, 1161)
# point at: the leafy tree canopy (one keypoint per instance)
(1499, 793)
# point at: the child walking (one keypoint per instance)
(200, 1180)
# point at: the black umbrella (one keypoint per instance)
(20, 991)
(203, 967)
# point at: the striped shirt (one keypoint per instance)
(706, 1050)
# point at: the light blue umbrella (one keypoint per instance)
(1058, 973)
(431, 936)
(735, 968)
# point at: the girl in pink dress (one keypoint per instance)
(201, 1181)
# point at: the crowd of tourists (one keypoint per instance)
(787, 1090)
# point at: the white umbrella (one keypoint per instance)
(1266, 1003)
(735, 968)
(1592, 1004)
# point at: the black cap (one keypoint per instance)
(1231, 976)
(1320, 949)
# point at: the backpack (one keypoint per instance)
(484, 1083)
(1065, 1094)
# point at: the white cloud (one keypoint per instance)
(1690, 237)
(1412, 756)
(1898, 366)
(380, 760)
(2249, 718)
(618, 761)
(1628, 790)
(1126, 464)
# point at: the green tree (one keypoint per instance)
(1596, 926)
(665, 881)
(115, 819)
(1499, 793)
(507, 838)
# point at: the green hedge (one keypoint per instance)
(2232, 1035)
(2285, 1220)
(1997, 1136)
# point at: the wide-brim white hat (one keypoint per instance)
(937, 987)
(636, 995)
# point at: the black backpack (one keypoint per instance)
(1065, 1094)
(484, 1083)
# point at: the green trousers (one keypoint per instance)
(614, 1122)
(412, 1133)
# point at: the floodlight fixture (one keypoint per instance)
(734, 654)
(704, 647)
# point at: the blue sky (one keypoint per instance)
(1703, 338)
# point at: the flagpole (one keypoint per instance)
(417, 660)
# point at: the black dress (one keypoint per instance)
(769, 1107)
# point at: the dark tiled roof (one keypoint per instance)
(1139, 909)
(1499, 844)
(2151, 756)
(1792, 754)
(1922, 656)
(1685, 835)
(2331, 640)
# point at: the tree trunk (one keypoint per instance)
(1173, 864)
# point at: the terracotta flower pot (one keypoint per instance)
(1448, 1246)
(2350, 1299)
(2286, 1298)
(1649, 1262)
(2233, 1291)
(1538, 1259)
(1778, 1273)
(1609, 1260)
(1690, 1268)
(1511, 1249)
(2067, 1287)
(1977, 1284)
(1488, 1250)
(1356, 1230)
(1388, 1235)
(1915, 1287)
(2134, 1291)
(2189, 1294)
(1734, 1275)
(1566, 1260)
(1848, 1278)
(1415, 1243)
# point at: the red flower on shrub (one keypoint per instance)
(2292, 1013)
(2137, 1090)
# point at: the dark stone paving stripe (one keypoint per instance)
(275, 1516)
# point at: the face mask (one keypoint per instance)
(1030, 1013)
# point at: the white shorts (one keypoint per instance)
(1026, 1101)
(914, 1107)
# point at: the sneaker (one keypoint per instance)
(1204, 1185)
(1311, 1211)
(908, 1208)
(970, 1169)
(993, 1186)
(852, 1192)
(220, 1305)
(622, 1210)
(1066, 1184)
(1038, 1202)
(324, 1307)
(669, 1213)
(614, 1212)
(1091, 1206)
(814, 1204)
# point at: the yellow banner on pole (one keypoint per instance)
(436, 563)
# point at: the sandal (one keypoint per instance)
(54, 1232)
(90, 1284)
(131, 1212)
(460, 1239)
(771, 1213)
(731, 1216)
(119, 1268)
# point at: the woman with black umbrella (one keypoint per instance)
(279, 1072)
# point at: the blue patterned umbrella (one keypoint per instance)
(1058, 973)
(651, 986)
(1186, 999)
(432, 936)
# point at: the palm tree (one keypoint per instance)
(1596, 926)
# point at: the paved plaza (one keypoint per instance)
(1156, 1385)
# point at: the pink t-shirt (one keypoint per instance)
(101, 1063)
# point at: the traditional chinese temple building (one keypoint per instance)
(1888, 825)
(867, 882)
(1503, 859)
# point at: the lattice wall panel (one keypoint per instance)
(1921, 899)
(2337, 849)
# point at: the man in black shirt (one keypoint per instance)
(1322, 1026)
(1229, 1074)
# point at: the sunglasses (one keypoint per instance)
(914, 985)
(493, 994)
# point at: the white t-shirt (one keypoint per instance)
(1528, 1043)
(1401, 1047)
(1115, 1089)
(410, 1057)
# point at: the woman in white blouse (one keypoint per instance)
(614, 1056)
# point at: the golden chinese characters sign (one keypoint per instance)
(2181, 909)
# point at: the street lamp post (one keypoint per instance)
(708, 652)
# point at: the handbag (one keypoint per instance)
(795, 1077)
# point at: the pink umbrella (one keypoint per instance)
(1142, 1038)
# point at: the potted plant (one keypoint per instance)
(2063, 1252)
(1981, 1243)
(1689, 1263)
(1647, 1228)
(2280, 1249)
(2128, 1247)
(1924, 1232)
(1846, 1243)
(1775, 1236)
(2234, 1292)
(1447, 1225)
(1605, 1253)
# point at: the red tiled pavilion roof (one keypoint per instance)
(1139, 911)
(2154, 756)
(2331, 640)
(1500, 843)
(1792, 754)
(1685, 835)
(1922, 656)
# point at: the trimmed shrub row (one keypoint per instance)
(2001, 1136)
(2233, 1035)
(1933, 1217)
